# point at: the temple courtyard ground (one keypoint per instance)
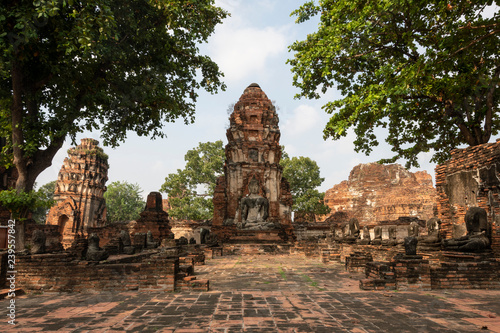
(283, 293)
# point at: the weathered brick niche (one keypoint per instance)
(471, 178)
(79, 191)
(252, 172)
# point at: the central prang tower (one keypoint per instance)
(252, 201)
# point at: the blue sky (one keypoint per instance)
(250, 46)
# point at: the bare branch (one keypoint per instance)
(468, 26)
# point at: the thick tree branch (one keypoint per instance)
(474, 42)
(490, 106)
(469, 26)
(42, 159)
(459, 121)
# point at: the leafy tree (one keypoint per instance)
(46, 192)
(191, 189)
(304, 177)
(114, 65)
(123, 202)
(427, 70)
(20, 204)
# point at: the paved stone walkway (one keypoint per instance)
(262, 294)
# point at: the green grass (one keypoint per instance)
(282, 273)
(307, 278)
(312, 283)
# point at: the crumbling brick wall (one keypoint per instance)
(52, 235)
(62, 273)
(376, 192)
(109, 232)
(471, 178)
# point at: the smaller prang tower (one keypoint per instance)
(79, 191)
(252, 201)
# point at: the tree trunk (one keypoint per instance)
(17, 120)
(472, 135)
(17, 141)
(28, 167)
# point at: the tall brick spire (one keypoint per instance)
(253, 153)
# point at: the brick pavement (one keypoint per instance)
(262, 294)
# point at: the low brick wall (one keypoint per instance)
(401, 273)
(51, 232)
(407, 273)
(357, 261)
(412, 274)
(62, 273)
(213, 252)
(108, 233)
(309, 248)
(378, 252)
(340, 251)
(467, 273)
(330, 254)
(379, 276)
(255, 249)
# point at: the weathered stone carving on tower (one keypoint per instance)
(79, 191)
(252, 201)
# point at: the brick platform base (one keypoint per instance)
(415, 273)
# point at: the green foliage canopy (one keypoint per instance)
(46, 192)
(303, 174)
(427, 70)
(123, 202)
(204, 164)
(20, 204)
(116, 65)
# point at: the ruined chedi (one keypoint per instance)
(376, 193)
(252, 201)
(79, 191)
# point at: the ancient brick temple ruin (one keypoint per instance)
(79, 191)
(375, 193)
(471, 178)
(153, 218)
(252, 201)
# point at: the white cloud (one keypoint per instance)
(304, 118)
(355, 161)
(291, 150)
(245, 51)
(157, 166)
